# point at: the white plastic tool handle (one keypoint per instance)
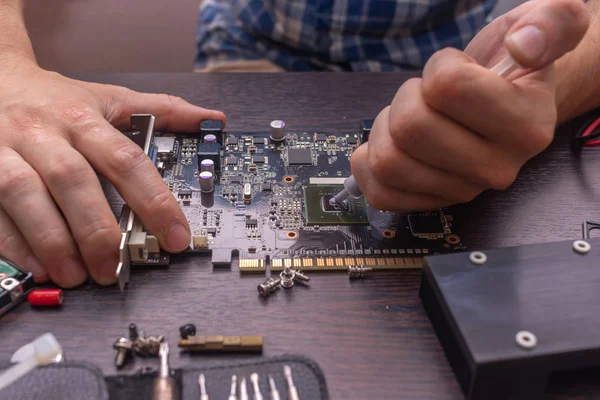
(17, 371)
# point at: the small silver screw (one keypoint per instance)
(123, 347)
(299, 276)
(357, 272)
(269, 286)
(477, 257)
(581, 246)
(287, 277)
(526, 340)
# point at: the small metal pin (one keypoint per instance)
(274, 391)
(243, 389)
(202, 384)
(292, 391)
(233, 391)
(254, 380)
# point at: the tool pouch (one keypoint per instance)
(73, 380)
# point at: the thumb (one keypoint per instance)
(546, 32)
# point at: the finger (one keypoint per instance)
(14, 248)
(77, 191)
(172, 113)
(545, 33)
(519, 115)
(434, 139)
(27, 201)
(392, 165)
(384, 197)
(136, 178)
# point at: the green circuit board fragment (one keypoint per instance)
(318, 211)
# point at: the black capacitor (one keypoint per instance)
(365, 129)
(187, 330)
(212, 127)
(210, 151)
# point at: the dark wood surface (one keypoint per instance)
(372, 338)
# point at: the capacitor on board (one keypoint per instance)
(207, 165)
(206, 182)
(277, 130)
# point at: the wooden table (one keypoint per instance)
(372, 338)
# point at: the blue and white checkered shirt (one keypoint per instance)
(336, 35)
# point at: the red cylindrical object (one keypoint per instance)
(45, 297)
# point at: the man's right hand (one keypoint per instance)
(54, 132)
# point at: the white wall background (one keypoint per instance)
(113, 35)
(120, 35)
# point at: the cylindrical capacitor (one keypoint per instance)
(207, 182)
(277, 130)
(207, 165)
(45, 297)
(210, 138)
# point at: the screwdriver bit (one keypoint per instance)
(242, 344)
(165, 387)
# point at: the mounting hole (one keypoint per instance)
(477, 257)
(452, 239)
(388, 233)
(581, 246)
(291, 234)
(288, 179)
(526, 340)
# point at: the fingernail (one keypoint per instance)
(32, 265)
(530, 42)
(71, 274)
(107, 275)
(178, 238)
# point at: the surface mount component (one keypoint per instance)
(365, 129)
(510, 322)
(300, 157)
(320, 211)
(426, 225)
(277, 130)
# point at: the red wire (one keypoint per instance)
(589, 130)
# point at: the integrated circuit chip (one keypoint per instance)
(231, 160)
(320, 137)
(318, 211)
(425, 225)
(258, 141)
(300, 157)
(259, 160)
(232, 140)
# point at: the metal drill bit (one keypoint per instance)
(165, 387)
(233, 391)
(254, 380)
(292, 391)
(243, 389)
(274, 391)
(202, 384)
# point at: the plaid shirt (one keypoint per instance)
(336, 35)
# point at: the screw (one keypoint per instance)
(268, 286)
(123, 347)
(187, 330)
(356, 272)
(133, 332)
(287, 277)
(299, 276)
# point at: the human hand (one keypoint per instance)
(462, 129)
(54, 218)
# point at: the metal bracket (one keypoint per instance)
(143, 138)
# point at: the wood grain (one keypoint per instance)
(372, 338)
